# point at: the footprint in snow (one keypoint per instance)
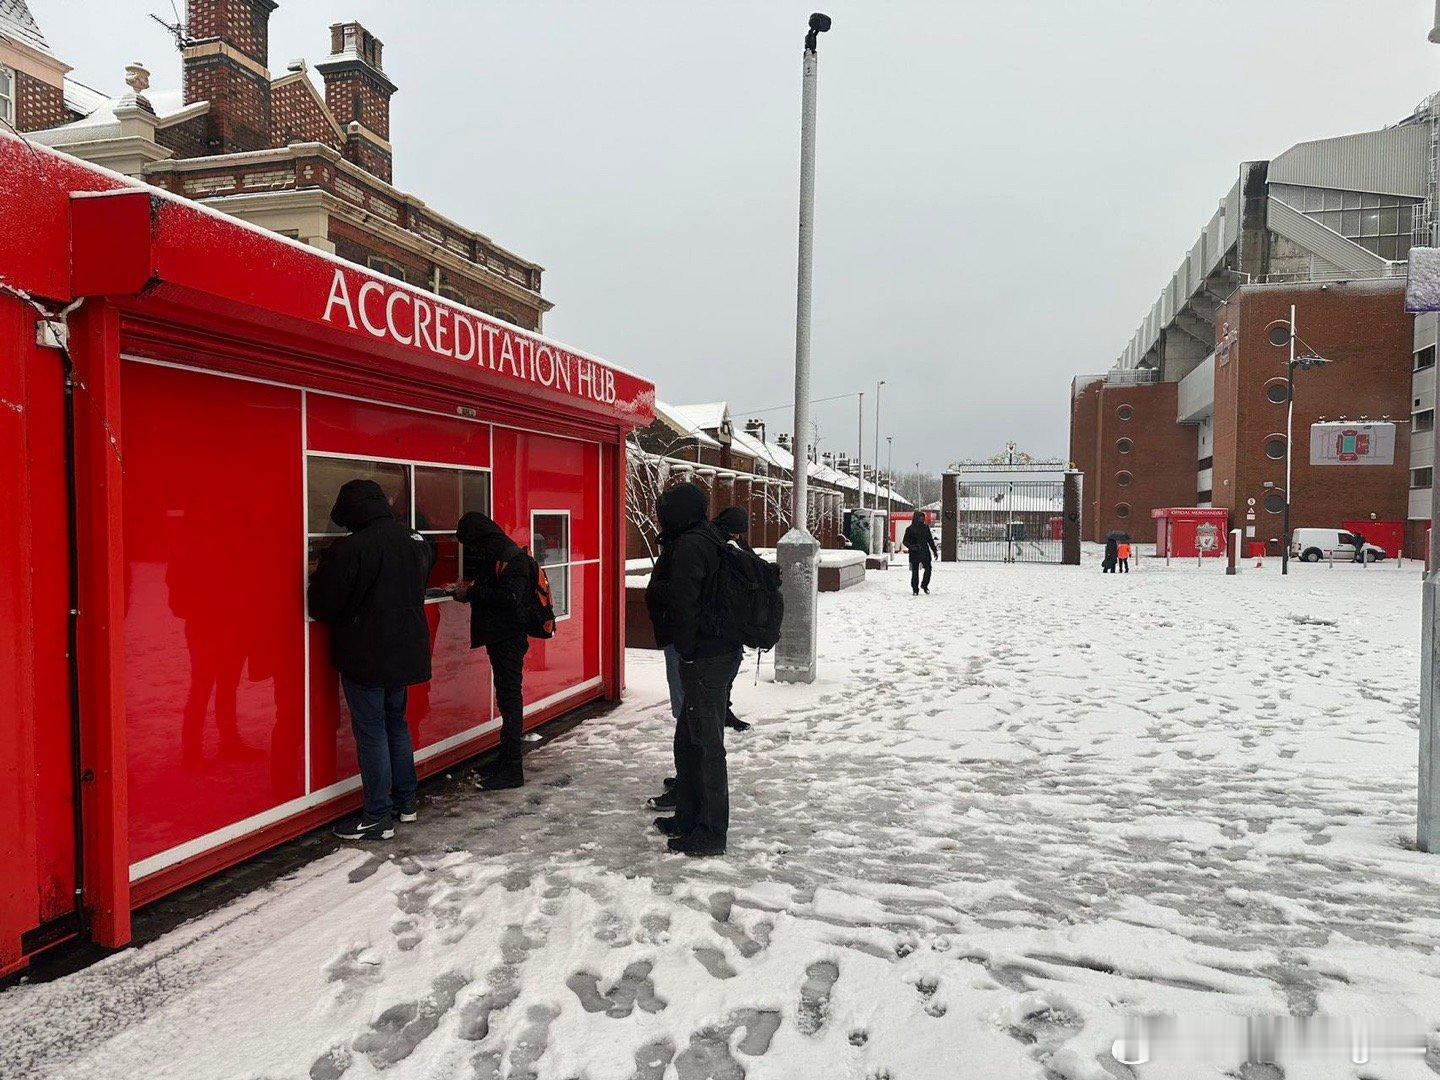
(635, 988)
(401, 1028)
(820, 979)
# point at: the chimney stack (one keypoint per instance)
(755, 429)
(225, 58)
(358, 93)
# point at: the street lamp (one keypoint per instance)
(878, 385)
(798, 554)
(1282, 334)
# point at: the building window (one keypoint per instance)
(1422, 478)
(550, 530)
(1122, 510)
(430, 499)
(1275, 447)
(1424, 420)
(1204, 463)
(1124, 446)
(1123, 479)
(1274, 502)
(1379, 223)
(7, 95)
(1204, 496)
(1125, 412)
(1425, 358)
(1277, 390)
(386, 267)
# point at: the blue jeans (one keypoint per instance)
(672, 677)
(382, 743)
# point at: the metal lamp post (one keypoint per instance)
(798, 553)
(878, 385)
(1283, 334)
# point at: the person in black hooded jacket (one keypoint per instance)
(496, 593)
(370, 587)
(679, 597)
(919, 540)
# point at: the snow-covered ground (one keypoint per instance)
(1011, 815)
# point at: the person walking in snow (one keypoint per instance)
(678, 598)
(919, 541)
(370, 587)
(1112, 555)
(1122, 554)
(496, 597)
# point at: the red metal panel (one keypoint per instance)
(456, 700)
(537, 473)
(214, 547)
(118, 259)
(95, 346)
(54, 794)
(18, 756)
(341, 426)
(35, 207)
(1389, 535)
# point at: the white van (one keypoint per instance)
(1313, 545)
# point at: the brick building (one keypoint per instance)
(1188, 415)
(312, 163)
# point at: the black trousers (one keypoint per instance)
(507, 663)
(916, 562)
(702, 784)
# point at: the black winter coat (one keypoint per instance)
(500, 581)
(920, 542)
(370, 587)
(682, 583)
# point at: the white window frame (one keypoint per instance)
(569, 562)
(7, 94)
(410, 464)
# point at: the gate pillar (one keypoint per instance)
(949, 505)
(1070, 524)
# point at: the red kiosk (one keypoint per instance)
(169, 708)
(1190, 531)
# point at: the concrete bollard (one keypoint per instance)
(1232, 552)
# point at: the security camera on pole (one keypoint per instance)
(798, 553)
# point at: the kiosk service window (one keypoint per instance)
(428, 498)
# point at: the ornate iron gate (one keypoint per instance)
(1005, 512)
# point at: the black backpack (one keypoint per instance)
(537, 610)
(748, 608)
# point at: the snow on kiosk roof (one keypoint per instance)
(225, 374)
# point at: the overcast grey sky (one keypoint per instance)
(1003, 186)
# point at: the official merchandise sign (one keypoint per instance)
(1347, 443)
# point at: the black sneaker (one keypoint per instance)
(408, 812)
(696, 846)
(733, 721)
(670, 826)
(665, 801)
(363, 828)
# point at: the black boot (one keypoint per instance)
(734, 722)
(670, 826)
(697, 845)
(501, 775)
